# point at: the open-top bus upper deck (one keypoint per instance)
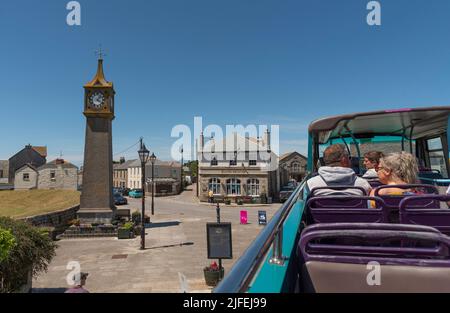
(271, 262)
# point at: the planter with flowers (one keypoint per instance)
(126, 231)
(213, 274)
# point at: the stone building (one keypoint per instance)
(32, 155)
(292, 167)
(120, 175)
(238, 167)
(167, 177)
(26, 177)
(58, 174)
(4, 169)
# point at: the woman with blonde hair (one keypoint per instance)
(397, 168)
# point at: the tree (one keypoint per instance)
(193, 165)
(7, 242)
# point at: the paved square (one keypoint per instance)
(176, 243)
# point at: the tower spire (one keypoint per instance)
(99, 80)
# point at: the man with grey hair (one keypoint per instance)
(337, 172)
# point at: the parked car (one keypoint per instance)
(124, 191)
(135, 193)
(286, 192)
(119, 199)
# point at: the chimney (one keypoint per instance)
(59, 161)
(202, 141)
(122, 160)
(267, 139)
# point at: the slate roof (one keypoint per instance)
(53, 164)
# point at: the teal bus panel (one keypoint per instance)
(271, 278)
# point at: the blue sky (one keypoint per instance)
(232, 62)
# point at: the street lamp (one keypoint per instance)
(181, 170)
(153, 159)
(143, 156)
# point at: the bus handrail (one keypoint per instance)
(245, 268)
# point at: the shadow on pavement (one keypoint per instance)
(162, 224)
(48, 290)
(170, 246)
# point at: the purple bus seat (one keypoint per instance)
(412, 213)
(370, 226)
(374, 183)
(337, 190)
(432, 174)
(421, 265)
(393, 201)
(350, 209)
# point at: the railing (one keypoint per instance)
(244, 270)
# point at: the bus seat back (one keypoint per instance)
(351, 209)
(341, 258)
(411, 212)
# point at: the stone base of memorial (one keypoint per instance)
(89, 230)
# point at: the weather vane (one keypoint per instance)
(100, 52)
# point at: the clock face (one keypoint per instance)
(96, 99)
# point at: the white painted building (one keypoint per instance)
(238, 167)
(134, 175)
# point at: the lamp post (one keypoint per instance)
(181, 172)
(143, 156)
(153, 159)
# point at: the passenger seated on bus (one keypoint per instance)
(397, 168)
(371, 162)
(337, 172)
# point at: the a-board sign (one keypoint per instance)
(243, 217)
(219, 243)
(262, 218)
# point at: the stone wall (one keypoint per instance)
(54, 219)
(65, 178)
(21, 184)
(4, 170)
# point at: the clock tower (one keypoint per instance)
(96, 203)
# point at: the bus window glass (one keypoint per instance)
(437, 162)
(434, 144)
(436, 156)
(385, 144)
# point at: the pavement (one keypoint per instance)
(175, 245)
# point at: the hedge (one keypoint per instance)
(32, 250)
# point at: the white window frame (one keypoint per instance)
(233, 187)
(253, 187)
(214, 185)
